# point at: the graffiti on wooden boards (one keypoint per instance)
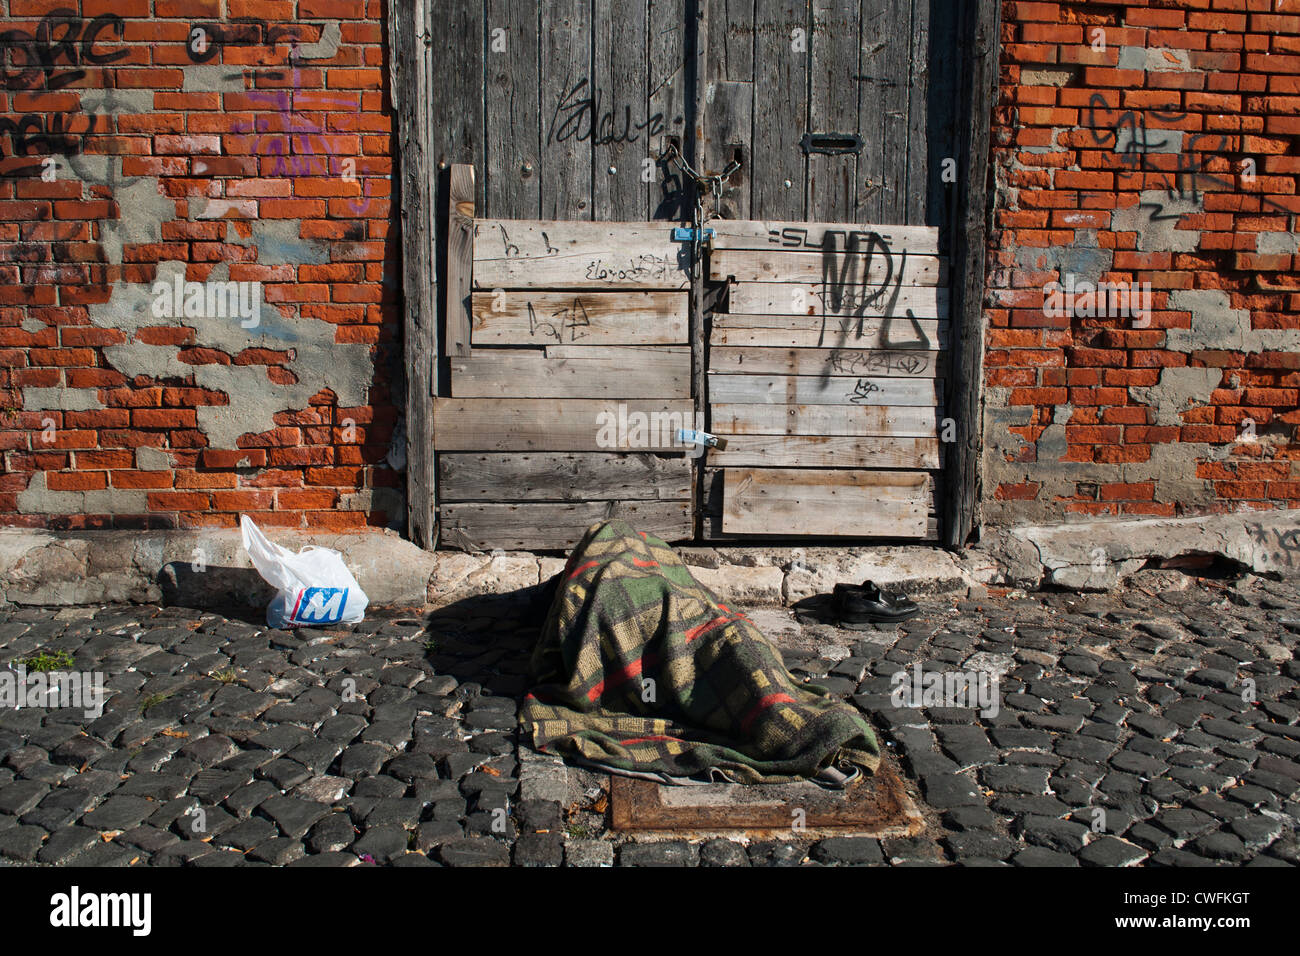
(511, 249)
(642, 268)
(564, 324)
(863, 389)
(849, 289)
(580, 115)
(850, 362)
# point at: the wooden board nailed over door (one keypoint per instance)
(573, 383)
(826, 378)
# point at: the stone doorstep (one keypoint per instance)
(98, 567)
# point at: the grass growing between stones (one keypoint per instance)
(47, 661)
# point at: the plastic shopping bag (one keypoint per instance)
(314, 586)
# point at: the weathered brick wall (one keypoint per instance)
(1139, 143)
(152, 152)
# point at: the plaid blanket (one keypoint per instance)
(640, 669)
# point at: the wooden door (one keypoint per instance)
(840, 112)
(570, 384)
(827, 359)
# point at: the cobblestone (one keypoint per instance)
(1125, 736)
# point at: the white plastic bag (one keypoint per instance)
(315, 586)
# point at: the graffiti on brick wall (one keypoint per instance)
(1137, 142)
(49, 59)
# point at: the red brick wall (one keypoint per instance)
(1145, 142)
(257, 151)
(184, 142)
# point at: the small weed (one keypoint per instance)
(153, 700)
(228, 676)
(46, 661)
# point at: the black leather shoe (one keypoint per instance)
(862, 605)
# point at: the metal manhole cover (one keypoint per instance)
(875, 806)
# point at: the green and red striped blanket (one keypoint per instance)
(639, 668)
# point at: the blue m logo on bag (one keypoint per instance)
(320, 605)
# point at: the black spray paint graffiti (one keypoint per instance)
(570, 320)
(862, 392)
(206, 40)
(848, 288)
(578, 116)
(851, 362)
(1276, 547)
(50, 59)
(54, 56)
(1187, 180)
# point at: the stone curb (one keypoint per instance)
(208, 569)
(190, 568)
(1098, 555)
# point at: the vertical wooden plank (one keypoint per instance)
(961, 504)
(943, 110)
(666, 195)
(699, 357)
(460, 259)
(410, 87)
(729, 133)
(623, 128)
(568, 125)
(513, 127)
(457, 37)
(922, 152)
(833, 108)
(781, 89)
(883, 75)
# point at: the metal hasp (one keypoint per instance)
(688, 436)
(691, 234)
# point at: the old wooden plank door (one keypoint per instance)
(829, 337)
(842, 114)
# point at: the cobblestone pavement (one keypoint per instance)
(1171, 706)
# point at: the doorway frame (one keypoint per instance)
(426, 190)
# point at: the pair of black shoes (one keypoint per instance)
(859, 606)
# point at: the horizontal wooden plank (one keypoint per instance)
(855, 420)
(558, 424)
(826, 451)
(872, 268)
(826, 502)
(555, 527)
(819, 332)
(532, 317)
(821, 390)
(812, 236)
(563, 476)
(612, 372)
(711, 526)
(846, 302)
(526, 253)
(908, 363)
